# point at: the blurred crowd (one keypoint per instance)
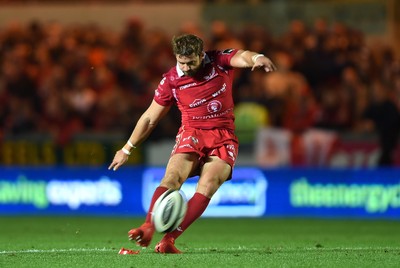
(61, 80)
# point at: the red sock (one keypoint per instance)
(157, 193)
(196, 206)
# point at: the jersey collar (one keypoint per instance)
(179, 71)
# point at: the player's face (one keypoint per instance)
(189, 64)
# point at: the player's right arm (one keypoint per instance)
(145, 125)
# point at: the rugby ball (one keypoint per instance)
(169, 211)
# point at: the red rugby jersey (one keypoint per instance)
(205, 100)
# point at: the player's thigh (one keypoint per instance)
(214, 173)
(180, 166)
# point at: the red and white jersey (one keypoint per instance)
(205, 100)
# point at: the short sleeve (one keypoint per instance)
(223, 57)
(163, 94)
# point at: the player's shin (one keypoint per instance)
(196, 206)
(157, 193)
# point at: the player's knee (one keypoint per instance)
(209, 186)
(172, 181)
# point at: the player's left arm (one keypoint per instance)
(253, 60)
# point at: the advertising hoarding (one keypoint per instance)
(252, 192)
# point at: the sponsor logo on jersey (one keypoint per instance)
(212, 74)
(187, 86)
(205, 117)
(197, 102)
(214, 106)
(227, 51)
(223, 88)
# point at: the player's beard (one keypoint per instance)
(190, 73)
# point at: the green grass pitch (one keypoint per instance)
(95, 241)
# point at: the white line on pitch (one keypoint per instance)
(200, 249)
(57, 250)
(299, 249)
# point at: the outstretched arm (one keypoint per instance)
(145, 125)
(253, 60)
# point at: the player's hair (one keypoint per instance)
(187, 44)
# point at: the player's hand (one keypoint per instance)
(264, 62)
(120, 158)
